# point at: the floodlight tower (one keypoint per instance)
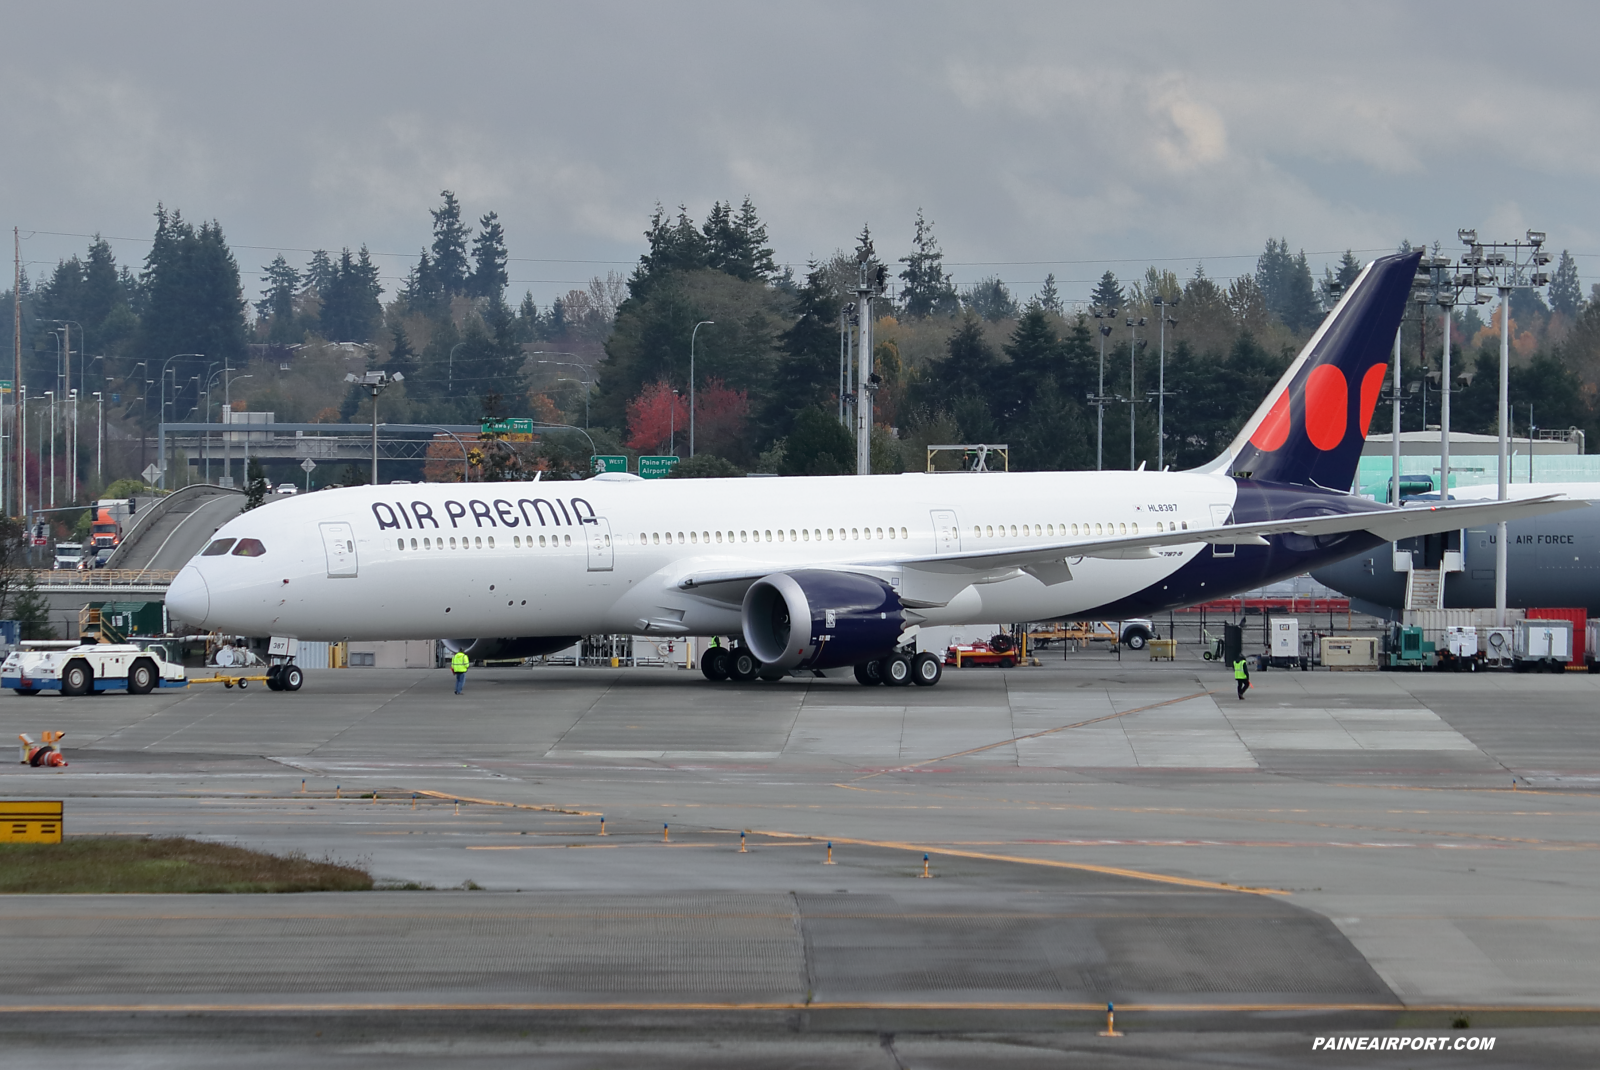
(870, 283)
(1099, 398)
(1504, 266)
(1135, 343)
(1166, 321)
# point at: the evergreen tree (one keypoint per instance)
(277, 301)
(1107, 293)
(756, 262)
(990, 299)
(1035, 353)
(32, 611)
(319, 273)
(450, 237)
(530, 324)
(350, 308)
(193, 301)
(808, 370)
(818, 445)
(674, 246)
(1286, 286)
(1566, 292)
(424, 292)
(256, 489)
(489, 277)
(1050, 297)
(1335, 283)
(1053, 434)
(927, 291)
(402, 358)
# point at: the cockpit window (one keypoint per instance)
(217, 548)
(249, 548)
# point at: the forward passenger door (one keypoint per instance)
(339, 543)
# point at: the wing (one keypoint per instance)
(944, 575)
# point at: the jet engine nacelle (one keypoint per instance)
(525, 646)
(820, 619)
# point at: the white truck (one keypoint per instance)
(75, 668)
(69, 555)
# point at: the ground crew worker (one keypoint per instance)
(1241, 673)
(458, 665)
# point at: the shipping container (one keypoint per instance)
(1578, 618)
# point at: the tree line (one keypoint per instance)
(972, 363)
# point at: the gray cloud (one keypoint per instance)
(1072, 134)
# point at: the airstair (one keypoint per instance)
(1425, 588)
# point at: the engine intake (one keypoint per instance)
(819, 619)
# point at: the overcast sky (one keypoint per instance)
(1038, 138)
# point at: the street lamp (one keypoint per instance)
(161, 434)
(451, 383)
(587, 384)
(375, 383)
(702, 323)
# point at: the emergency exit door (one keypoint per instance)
(339, 543)
(601, 554)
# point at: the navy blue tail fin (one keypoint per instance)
(1311, 427)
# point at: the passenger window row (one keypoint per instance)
(999, 531)
(659, 538)
(477, 542)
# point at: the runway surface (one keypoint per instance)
(1340, 851)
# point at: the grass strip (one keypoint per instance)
(82, 865)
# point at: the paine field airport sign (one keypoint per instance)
(656, 467)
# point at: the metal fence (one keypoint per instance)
(101, 577)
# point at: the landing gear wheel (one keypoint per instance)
(76, 678)
(291, 677)
(743, 665)
(273, 683)
(141, 678)
(714, 664)
(926, 669)
(895, 670)
(867, 674)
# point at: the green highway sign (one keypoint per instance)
(519, 425)
(5, 386)
(656, 467)
(606, 462)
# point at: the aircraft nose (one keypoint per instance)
(188, 599)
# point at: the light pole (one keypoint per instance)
(162, 416)
(466, 468)
(51, 449)
(672, 424)
(100, 439)
(450, 390)
(1161, 383)
(227, 406)
(568, 364)
(702, 323)
(585, 385)
(375, 383)
(1505, 266)
(1133, 388)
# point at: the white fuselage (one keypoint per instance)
(571, 558)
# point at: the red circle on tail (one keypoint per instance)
(1327, 406)
(1371, 384)
(1274, 429)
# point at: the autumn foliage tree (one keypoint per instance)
(654, 415)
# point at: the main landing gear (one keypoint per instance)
(897, 670)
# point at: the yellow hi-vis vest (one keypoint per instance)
(1240, 671)
(459, 662)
